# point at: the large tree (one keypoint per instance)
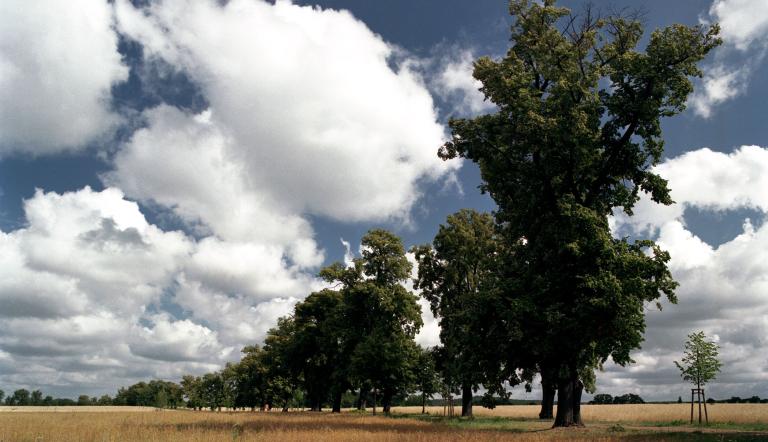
(575, 135)
(380, 315)
(315, 348)
(457, 275)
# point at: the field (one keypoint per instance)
(730, 422)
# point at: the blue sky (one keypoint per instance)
(173, 175)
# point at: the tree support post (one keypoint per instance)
(700, 397)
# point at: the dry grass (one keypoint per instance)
(644, 413)
(113, 424)
(77, 409)
(175, 426)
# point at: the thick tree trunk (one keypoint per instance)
(569, 401)
(466, 400)
(547, 397)
(423, 403)
(337, 401)
(317, 405)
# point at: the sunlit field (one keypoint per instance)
(636, 413)
(604, 422)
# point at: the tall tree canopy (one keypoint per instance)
(575, 135)
(457, 275)
(383, 316)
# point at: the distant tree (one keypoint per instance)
(282, 374)
(2, 395)
(386, 318)
(575, 134)
(21, 397)
(602, 399)
(212, 391)
(83, 399)
(318, 348)
(679, 399)
(754, 400)
(250, 379)
(48, 401)
(629, 398)
(105, 400)
(192, 390)
(427, 378)
(457, 275)
(699, 364)
(36, 398)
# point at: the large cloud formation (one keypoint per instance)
(305, 102)
(723, 288)
(310, 114)
(58, 62)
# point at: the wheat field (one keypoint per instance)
(102, 424)
(630, 413)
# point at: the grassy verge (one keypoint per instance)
(623, 430)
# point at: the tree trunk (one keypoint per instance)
(317, 405)
(547, 397)
(337, 401)
(569, 401)
(423, 403)
(362, 398)
(386, 401)
(466, 400)
(374, 402)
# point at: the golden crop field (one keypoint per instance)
(39, 424)
(638, 413)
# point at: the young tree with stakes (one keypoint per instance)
(699, 366)
(576, 133)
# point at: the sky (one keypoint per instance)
(174, 174)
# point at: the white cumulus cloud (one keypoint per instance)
(722, 287)
(306, 102)
(58, 62)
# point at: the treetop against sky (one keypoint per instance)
(174, 174)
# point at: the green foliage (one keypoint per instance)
(382, 317)
(602, 399)
(576, 134)
(700, 364)
(457, 275)
(427, 379)
(629, 398)
(20, 397)
(156, 393)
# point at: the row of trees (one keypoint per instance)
(605, 399)
(23, 397)
(357, 335)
